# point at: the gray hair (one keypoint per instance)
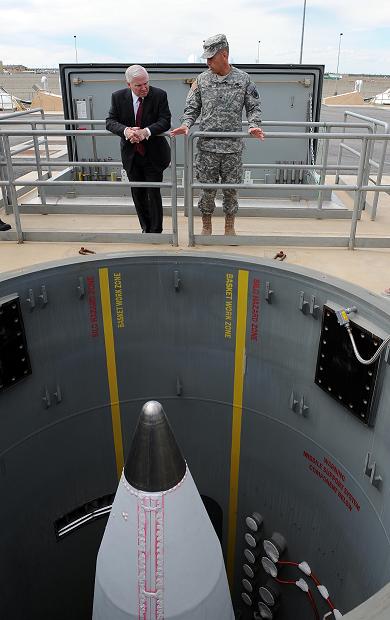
(134, 71)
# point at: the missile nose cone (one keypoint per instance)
(154, 462)
(152, 412)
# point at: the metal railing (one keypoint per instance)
(374, 123)
(11, 183)
(10, 118)
(281, 168)
(324, 166)
(359, 188)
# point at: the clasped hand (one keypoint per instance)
(136, 134)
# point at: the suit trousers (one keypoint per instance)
(147, 201)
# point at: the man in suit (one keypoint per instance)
(137, 115)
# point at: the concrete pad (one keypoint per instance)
(48, 101)
(369, 268)
(353, 98)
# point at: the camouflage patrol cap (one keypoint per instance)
(214, 44)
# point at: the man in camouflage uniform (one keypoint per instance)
(219, 95)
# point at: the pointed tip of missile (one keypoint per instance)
(155, 462)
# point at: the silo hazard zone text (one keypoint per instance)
(228, 304)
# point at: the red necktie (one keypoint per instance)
(138, 146)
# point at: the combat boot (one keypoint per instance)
(229, 225)
(207, 226)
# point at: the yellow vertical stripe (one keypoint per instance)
(239, 370)
(111, 368)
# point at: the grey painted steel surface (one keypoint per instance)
(285, 92)
(288, 93)
(56, 439)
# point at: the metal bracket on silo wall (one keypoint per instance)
(268, 293)
(308, 307)
(176, 280)
(41, 299)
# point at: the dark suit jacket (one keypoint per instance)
(155, 115)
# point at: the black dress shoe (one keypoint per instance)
(4, 226)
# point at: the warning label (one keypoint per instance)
(91, 293)
(120, 317)
(255, 310)
(228, 304)
(334, 478)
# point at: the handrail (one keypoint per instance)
(270, 123)
(12, 183)
(289, 134)
(112, 164)
(369, 119)
(374, 122)
(358, 188)
(20, 113)
(214, 134)
(367, 138)
(310, 124)
(10, 119)
(12, 115)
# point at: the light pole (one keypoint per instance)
(258, 51)
(338, 61)
(303, 31)
(75, 45)
(338, 55)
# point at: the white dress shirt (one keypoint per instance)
(136, 105)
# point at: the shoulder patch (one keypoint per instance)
(194, 85)
(252, 90)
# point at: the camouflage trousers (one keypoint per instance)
(213, 167)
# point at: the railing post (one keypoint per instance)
(190, 160)
(379, 175)
(174, 192)
(357, 198)
(323, 172)
(41, 190)
(366, 174)
(3, 176)
(94, 148)
(340, 154)
(185, 176)
(47, 152)
(12, 188)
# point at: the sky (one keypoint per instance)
(41, 33)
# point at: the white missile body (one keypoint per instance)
(160, 557)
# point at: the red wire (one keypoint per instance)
(313, 577)
(318, 583)
(309, 594)
(313, 604)
(288, 581)
(284, 563)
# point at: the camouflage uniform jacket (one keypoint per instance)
(219, 104)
